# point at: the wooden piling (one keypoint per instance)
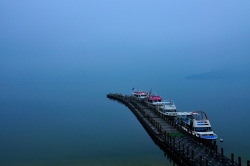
(216, 150)
(222, 154)
(210, 150)
(200, 160)
(232, 158)
(206, 162)
(239, 161)
(192, 156)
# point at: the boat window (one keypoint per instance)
(209, 128)
(203, 129)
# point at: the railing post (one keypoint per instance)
(239, 161)
(216, 150)
(232, 158)
(222, 154)
(192, 155)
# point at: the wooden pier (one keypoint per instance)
(180, 146)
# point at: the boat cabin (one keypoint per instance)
(154, 100)
(197, 123)
(140, 95)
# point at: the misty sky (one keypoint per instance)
(62, 37)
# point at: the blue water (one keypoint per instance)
(71, 122)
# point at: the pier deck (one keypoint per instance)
(182, 147)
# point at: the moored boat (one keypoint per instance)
(139, 95)
(197, 124)
(166, 107)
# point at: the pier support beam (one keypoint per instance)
(232, 158)
(216, 150)
(206, 162)
(222, 153)
(239, 161)
(192, 156)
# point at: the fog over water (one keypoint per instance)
(59, 59)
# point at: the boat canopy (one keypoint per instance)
(199, 115)
(154, 98)
(140, 93)
(183, 113)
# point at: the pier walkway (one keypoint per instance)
(182, 147)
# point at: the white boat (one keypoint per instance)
(165, 107)
(154, 101)
(197, 124)
(139, 95)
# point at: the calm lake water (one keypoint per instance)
(71, 122)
